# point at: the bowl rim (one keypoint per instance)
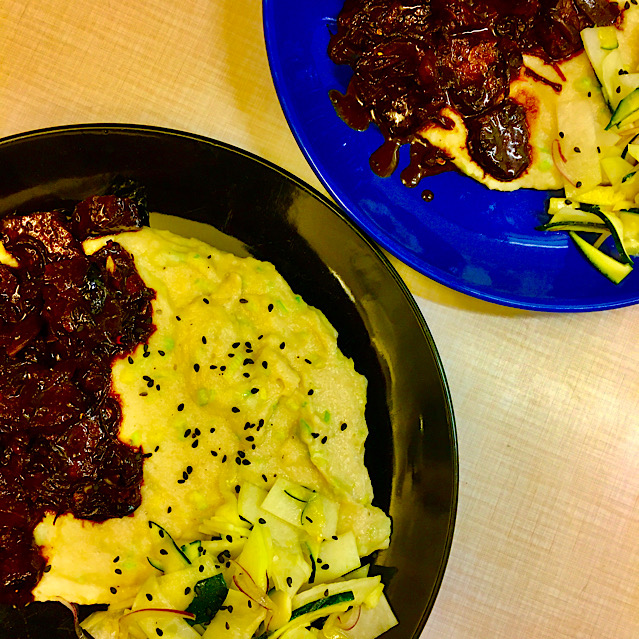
(144, 129)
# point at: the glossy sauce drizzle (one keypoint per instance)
(412, 59)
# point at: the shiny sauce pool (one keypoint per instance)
(64, 318)
(412, 59)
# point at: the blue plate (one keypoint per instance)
(469, 238)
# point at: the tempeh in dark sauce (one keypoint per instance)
(64, 318)
(413, 58)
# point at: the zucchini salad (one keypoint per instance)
(269, 564)
(597, 151)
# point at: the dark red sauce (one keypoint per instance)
(412, 59)
(64, 318)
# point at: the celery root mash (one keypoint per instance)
(241, 392)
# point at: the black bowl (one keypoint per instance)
(261, 210)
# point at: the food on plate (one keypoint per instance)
(469, 85)
(241, 424)
(597, 152)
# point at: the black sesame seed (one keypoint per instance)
(270, 307)
(247, 375)
(197, 432)
(264, 478)
(178, 318)
(187, 590)
(230, 608)
(159, 632)
(249, 603)
(250, 438)
(238, 461)
(264, 364)
(308, 361)
(196, 368)
(335, 537)
(261, 520)
(155, 450)
(578, 184)
(224, 459)
(201, 568)
(314, 435)
(214, 453)
(344, 426)
(211, 430)
(235, 409)
(47, 569)
(180, 407)
(212, 367)
(130, 359)
(324, 439)
(241, 453)
(118, 571)
(589, 94)
(187, 432)
(231, 355)
(260, 336)
(282, 345)
(235, 344)
(195, 443)
(326, 592)
(247, 361)
(203, 339)
(180, 481)
(149, 596)
(246, 462)
(260, 424)
(311, 391)
(243, 300)
(325, 566)
(255, 390)
(164, 551)
(113, 590)
(205, 300)
(189, 469)
(618, 90)
(161, 353)
(116, 559)
(169, 509)
(289, 581)
(237, 489)
(309, 520)
(147, 352)
(577, 149)
(222, 368)
(226, 625)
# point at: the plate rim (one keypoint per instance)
(382, 239)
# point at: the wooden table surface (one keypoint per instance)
(546, 405)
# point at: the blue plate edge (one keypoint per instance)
(394, 249)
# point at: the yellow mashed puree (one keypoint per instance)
(241, 381)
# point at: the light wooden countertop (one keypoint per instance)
(546, 541)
